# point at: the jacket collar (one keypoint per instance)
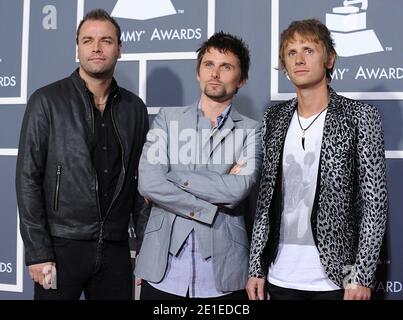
(192, 111)
(334, 104)
(189, 120)
(286, 112)
(114, 88)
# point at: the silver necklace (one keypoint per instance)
(305, 129)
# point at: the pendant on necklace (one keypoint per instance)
(303, 140)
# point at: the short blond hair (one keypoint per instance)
(312, 30)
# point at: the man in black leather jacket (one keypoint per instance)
(76, 178)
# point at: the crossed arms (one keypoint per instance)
(194, 194)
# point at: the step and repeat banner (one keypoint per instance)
(158, 63)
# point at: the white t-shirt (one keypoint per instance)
(297, 265)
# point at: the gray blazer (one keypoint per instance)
(182, 189)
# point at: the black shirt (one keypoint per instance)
(106, 152)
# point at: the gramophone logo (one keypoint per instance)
(143, 9)
(348, 25)
(370, 65)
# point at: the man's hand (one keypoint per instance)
(255, 288)
(36, 271)
(138, 281)
(236, 168)
(357, 292)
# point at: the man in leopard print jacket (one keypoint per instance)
(322, 205)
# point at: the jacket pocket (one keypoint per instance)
(57, 188)
(154, 222)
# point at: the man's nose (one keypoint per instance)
(96, 47)
(300, 59)
(215, 73)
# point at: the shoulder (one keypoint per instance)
(274, 111)
(48, 94)
(247, 121)
(129, 96)
(354, 107)
(51, 88)
(175, 112)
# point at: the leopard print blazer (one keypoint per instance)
(350, 208)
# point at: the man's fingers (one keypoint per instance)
(235, 170)
(260, 291)
(251, 295)
(38, 277)
(237, 167)
(251, 292)
(36, 271)
(357, 293)
(41, 278)
(255, 288)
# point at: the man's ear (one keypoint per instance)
(331, 58)
(241, 83)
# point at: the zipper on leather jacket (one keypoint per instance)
(101, 233)
(57, 188)
(91, 112)
(101, 220)
(122, 156)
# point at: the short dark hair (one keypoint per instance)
(99, 15)
(225, 42)
(313, 30)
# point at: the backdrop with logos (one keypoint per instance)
(158, 63)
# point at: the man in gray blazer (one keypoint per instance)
(197, 168)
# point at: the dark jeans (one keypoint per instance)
(100, 271)
(148, 292)
(280, 293)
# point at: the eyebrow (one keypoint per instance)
(102, 38)
(221, 64)
(304, 48)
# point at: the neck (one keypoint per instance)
(99, 88)
(312, 100)
(212, 109)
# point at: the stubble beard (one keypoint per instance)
(216, 94)
(98, 71)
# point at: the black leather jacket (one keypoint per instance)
(56, 181)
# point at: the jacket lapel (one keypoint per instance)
(334, 111)
(279, 132)
(333, 131)
(188, 118)
(225, 130)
